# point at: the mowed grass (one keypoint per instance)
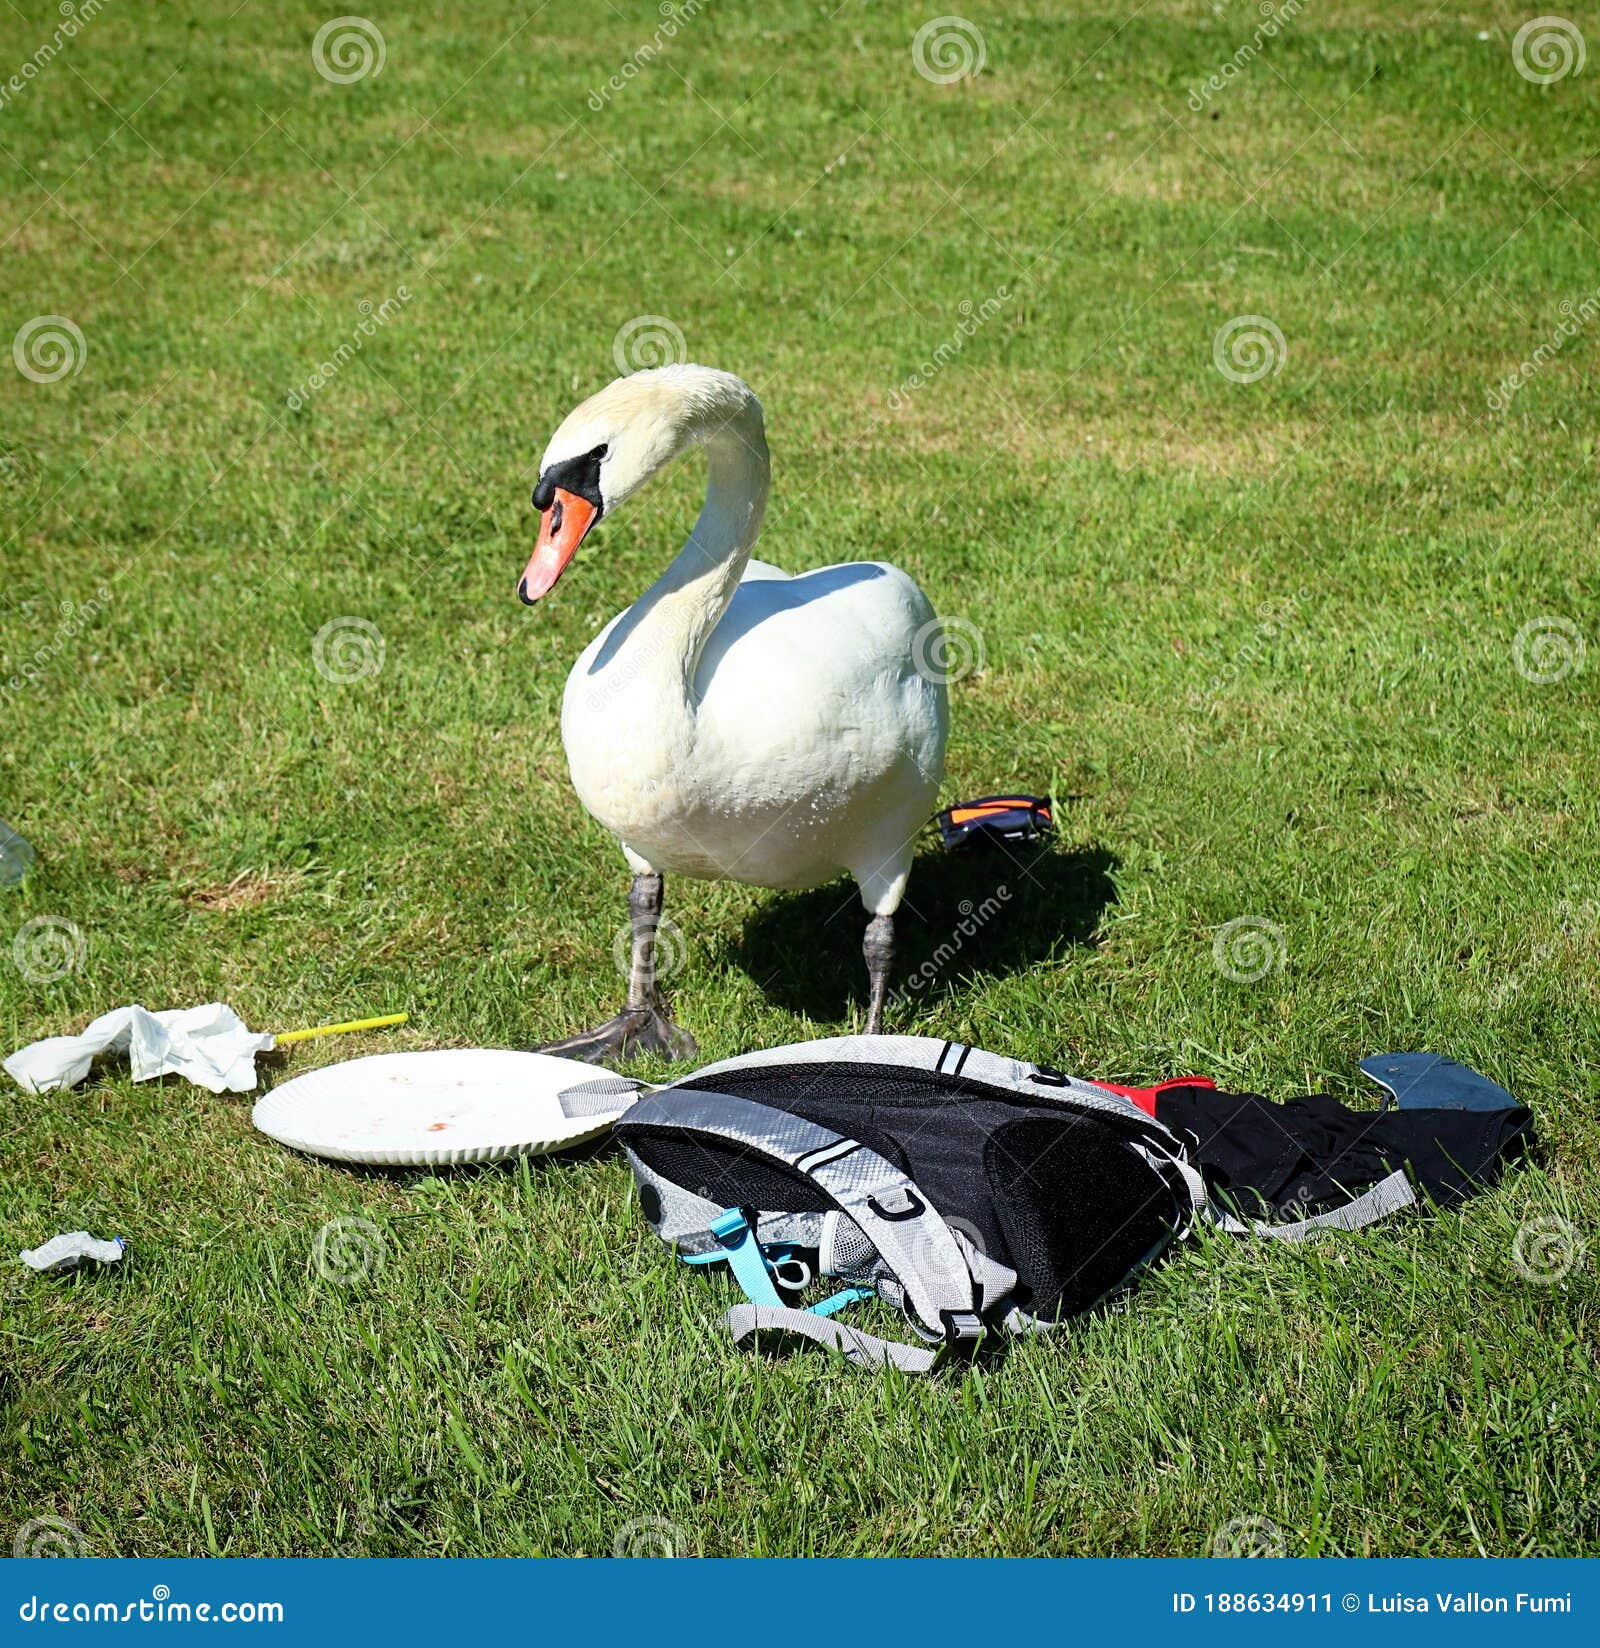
(1259, 640)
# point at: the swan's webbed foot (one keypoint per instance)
(643, 1026)
(633, 1031)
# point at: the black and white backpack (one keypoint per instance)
(974, 1192)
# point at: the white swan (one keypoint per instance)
(735, 723)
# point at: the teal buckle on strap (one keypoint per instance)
(744, 1257)
(752, 1268)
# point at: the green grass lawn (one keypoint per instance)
(1305, 649)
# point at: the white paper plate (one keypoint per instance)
(443, 1108)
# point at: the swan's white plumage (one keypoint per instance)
(735, 722)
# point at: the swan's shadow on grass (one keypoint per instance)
(966, 916)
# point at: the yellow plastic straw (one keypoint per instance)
(339, 1029)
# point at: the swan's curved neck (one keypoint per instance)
(674, 618)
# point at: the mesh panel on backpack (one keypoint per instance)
(853, 1253)
(727, 1173)
(1080, 1210)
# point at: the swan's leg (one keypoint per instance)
(643, 1026)
(883, 883)
(878, 948)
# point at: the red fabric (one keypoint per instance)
(1145, 1097)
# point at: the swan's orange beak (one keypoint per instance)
(561, 529)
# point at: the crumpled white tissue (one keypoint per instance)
(210, 1045)
(73, 1248)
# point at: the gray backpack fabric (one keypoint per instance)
(972, 1192)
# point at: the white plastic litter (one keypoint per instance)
(443, 1108)
(68, 1251)
(209, 1045)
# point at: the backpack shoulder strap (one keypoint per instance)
(747, 1323)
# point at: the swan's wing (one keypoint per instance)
(755, 571)
(823, 663)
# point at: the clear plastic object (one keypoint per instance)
(16, 856)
